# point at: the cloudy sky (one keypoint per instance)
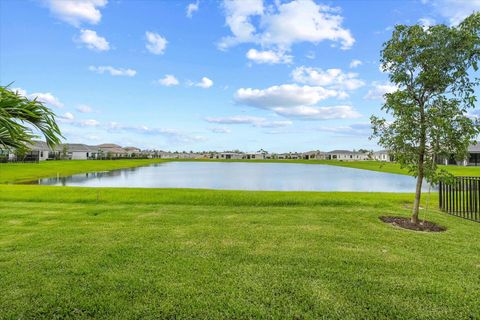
(206, 75)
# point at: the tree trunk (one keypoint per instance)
(418, 194)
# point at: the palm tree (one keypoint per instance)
(19, 116)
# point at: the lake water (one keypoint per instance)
(243, 176)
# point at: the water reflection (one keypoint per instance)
(242, 176)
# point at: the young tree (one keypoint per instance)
(434, 70)
(16, 112)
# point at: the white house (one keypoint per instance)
(39, 150)
(382, 155)
(346, 155)
(78, 151)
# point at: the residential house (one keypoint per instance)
(165, 155)
(382, 155)
(78, 151)
(133, 152)
(230, 155)
(38, 151)
(314, 155)
(6, 155)
(473, 157)
(254, 156)
(110, 150)
(346, 155)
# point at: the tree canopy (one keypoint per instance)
(19, 116)
(435, 71)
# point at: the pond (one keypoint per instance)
(242, 176)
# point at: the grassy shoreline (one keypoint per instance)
(27, 172)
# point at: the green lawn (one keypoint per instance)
(108, 253)
(24, 172)
(136, 253)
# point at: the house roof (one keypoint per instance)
(313, 152)
(341, 151)
(79, 147)
(115, 150)
(38, 145)
(346, 152)
(474, 147)
(131, 149)
(109, 145)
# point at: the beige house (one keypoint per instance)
(132, 151)
(110, 150)
(314, 155)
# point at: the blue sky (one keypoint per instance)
(205, 75)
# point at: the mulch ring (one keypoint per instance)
(405, 223)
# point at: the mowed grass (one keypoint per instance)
(199, 254)
(112, 253)
(25, 172)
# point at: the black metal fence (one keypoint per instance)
(461, 197)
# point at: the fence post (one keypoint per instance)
(461, 197)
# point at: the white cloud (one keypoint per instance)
(220, 130)
(172, 135)
(378, 90)
(76, 12)
(250, 120)
(455, 10)
(116, 72)
(88, 123)
(294, 101)
(238, 13)
(68, 116)
(169, 80)
(191, 8)
(356, 129)
(334, 78)
(83, 108)
(318, 113)
(426, 22)
(283, 24)
(355, 63)
(93, 41)
(156, 44)
(268, 56)
(286, 95)
(205, 83)
(45, 97)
